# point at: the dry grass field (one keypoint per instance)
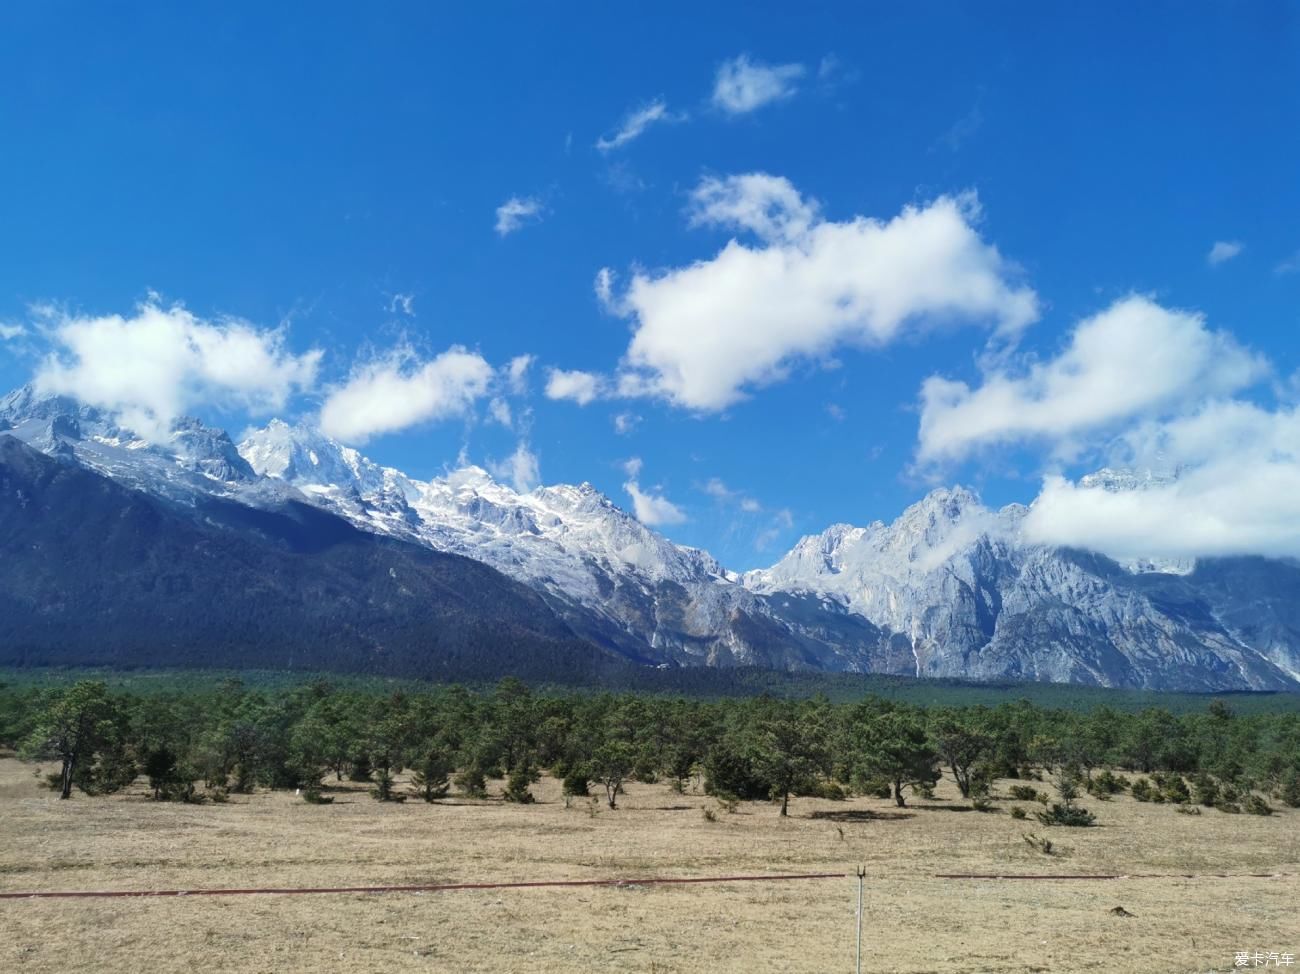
(914, 921)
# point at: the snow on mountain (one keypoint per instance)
(195, 460)
(975, 599)
(950, 588)
(654, 599)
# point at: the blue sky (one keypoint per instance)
(336, 174)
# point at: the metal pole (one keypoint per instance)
(862, 872)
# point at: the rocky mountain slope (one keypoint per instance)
(94, 573)
(949, 589)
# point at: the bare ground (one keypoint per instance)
(914, 921)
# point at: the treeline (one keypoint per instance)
(201, 745)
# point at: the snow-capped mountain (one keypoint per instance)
(951, 588)
(975, 599)
(195, 460)
(615, 580)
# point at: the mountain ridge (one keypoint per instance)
(948, 589)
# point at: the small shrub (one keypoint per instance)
(1043, 845)
(1205, 790)
(1172, 788)
(1105, 784)
(1254, 805)
(728, 803)
(1228, 792)
(383, 790)
(982, 805)
(314, 796)
(576, 782)
(1018, 812)
(1143, 791)
(517, 786)
(709, 814)
(828, 790)
(472, 782)
(218, 795)
(1067, 815)
(1024, 793)
(1188, 809)
(1230, 808)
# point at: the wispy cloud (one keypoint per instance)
(1223, 251)
(636, 122)
(517, 212)
(743, 85)
(650, 506)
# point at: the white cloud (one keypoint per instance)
(1223, 251)
(632, 467)
(516, 374)
(521, 469)
(743, 85)
(705, 333)
(1237, 491)
(399, 390)
(517, 212)
(576, 385)
(9, 332)
(716, 488)
(767, 206)
(402, 303)
(604, 288)
(1289, 265)
(625, 423)
(499, 411)
(651, 508)
(154, 366)
(1132, 359)
(636, 123)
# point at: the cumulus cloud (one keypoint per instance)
(575, 385)
(743, 85)
(635, 123)
(1223, 251)
(1236, 490)
(517, 212)
(706, 333)
(767, 206)
(399, 390)
(521, 469)
(1132, 359)
(652, 508)
(150, 368)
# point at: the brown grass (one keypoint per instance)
(914, 922)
